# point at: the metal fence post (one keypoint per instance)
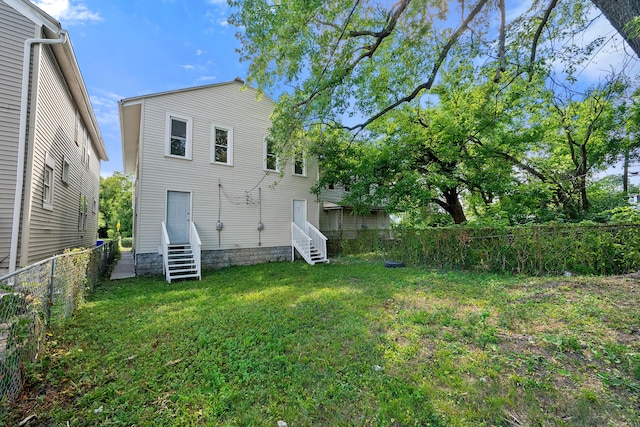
(51, 279)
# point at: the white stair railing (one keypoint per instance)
(315, 242)
(196, 243)
(164, 251)
(301, 242)
(318, 240)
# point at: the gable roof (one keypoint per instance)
(66, 59)
(130, 110)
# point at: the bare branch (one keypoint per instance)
(501, 48)
(434, 72)
(536, 38)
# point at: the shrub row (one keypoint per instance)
(536, 249)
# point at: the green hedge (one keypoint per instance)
(126, 242)
(536, 249)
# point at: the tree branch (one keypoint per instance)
(501, 48)
(536, 38)
(434, 72)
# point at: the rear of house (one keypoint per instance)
(338, 220)
(200, 156)
(50, 143)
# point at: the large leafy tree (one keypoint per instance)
(116, 205)
(409, 109)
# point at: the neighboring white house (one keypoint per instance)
(338, 220)
(209, 191)
(50, 143)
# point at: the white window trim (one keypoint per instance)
(88, 153)
(304, 167)
(49, 163)
(229, 130)
(66, 170)
(264, 158)
(167, 136)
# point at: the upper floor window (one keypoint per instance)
(221, 145)
(299, 166)
(47, 188)
(178, 131)
(66, 167)
(270, 156)
(82, 213)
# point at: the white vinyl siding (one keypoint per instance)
(178, 136)
(54, 129)
(240, 196)
(222, 144)
(14, 29)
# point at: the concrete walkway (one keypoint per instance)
(124, 268)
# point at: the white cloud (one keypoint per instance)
(206, 78)
(219, 2)
(188, 67)
(105, 106)
(64, 10)
(613, 55)
(200, 52)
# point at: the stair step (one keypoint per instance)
(173, 272)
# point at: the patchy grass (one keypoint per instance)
(348, 343)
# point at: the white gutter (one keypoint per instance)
(22, 136)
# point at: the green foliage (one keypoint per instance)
(126, 242)
(115, 206)
(419, 117)
(536, 249)
(348, 343)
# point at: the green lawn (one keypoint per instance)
(348, 343)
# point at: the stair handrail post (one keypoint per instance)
(318, 239)
(196, 244)
(164, 247)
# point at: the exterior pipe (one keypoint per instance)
(22, 136)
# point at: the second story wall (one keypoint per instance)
(59, 143)
(240, 192)
(14, 30)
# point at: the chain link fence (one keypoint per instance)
(33, 297)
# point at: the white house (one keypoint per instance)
(338, 220)
(209, 191)
(50, 143)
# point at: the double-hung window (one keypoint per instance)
(83, 210)
(66, 167)
(299, 165)
(47, 185)
(222, 144)
(178, 131)
(270, 156)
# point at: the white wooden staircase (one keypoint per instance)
(181, 260)
(311, 244)
(181, 263)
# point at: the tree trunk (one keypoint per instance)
(583, 178)
(453, 206)
(619, 13)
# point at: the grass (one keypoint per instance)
(348, 343)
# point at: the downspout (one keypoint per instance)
(22, 136)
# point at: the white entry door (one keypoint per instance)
(178, 216)
(300, 214)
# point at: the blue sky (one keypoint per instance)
(127, 48)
